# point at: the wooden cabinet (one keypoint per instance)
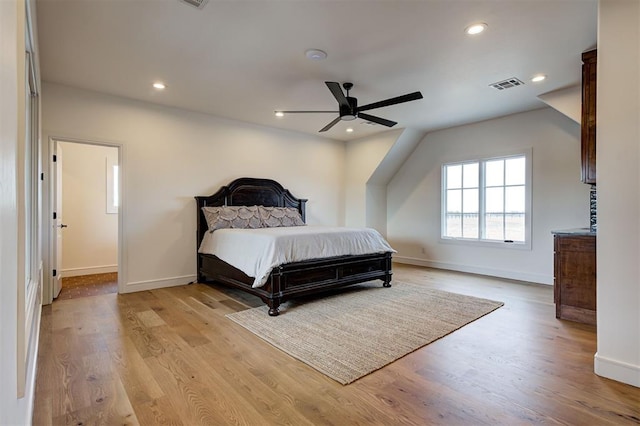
(575, 277)
(589, 60)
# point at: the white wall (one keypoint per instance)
(14, 410)
(362, 158)
(618, 157)
(567, 101)
(90, 243)
(171, 155)
(559, 200)
(11, 408)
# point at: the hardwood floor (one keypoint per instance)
(170, 356)
(88, 285)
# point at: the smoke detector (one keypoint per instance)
(198, 4)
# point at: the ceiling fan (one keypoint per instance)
(349, 109)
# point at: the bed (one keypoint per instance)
(288, 280)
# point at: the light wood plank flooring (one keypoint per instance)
(170, 356)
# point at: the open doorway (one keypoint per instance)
(86, 199)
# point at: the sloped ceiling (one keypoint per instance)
(245, 59)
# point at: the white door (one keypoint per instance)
(57, 222)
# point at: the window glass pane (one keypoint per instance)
(454, 176)
(470, 201)
(116, 195)
(494, 226)
(28, 173)
(514, 199)
(494, 171)
(454, 201)
(494, 200)
(453, 226)
(514, 227)
(515, 171)
(470, 226)
(470, 175)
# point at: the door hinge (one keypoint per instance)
(55, 215)
(55, 158)
(55, 272)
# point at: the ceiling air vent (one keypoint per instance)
(507, 84)
(199, 4)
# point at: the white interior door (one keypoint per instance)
(57, 222)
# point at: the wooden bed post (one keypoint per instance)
(386, 282)
(275, 298)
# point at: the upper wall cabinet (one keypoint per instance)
(589, 116)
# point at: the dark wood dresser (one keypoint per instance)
(588, 125)
(575, 275)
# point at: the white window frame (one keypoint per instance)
(526, 245)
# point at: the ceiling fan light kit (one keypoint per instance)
(349, 110)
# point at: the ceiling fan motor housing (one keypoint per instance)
(348, 113)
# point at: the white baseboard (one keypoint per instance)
(32, 366)
(89, 270)
(617, 370)
(500, 273)
(161, 283)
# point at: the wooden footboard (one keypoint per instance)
(301, 278)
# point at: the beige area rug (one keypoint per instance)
(349, 334)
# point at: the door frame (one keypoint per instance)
(50, 207)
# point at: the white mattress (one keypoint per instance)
(257, 251)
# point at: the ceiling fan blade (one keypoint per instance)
(307, 112)
(337, 93)
(330, 125)
(378, 120)
(392, 101)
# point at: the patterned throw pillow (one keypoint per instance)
(246, 217)
(274, 217)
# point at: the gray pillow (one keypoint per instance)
(246, 217)
(274, 217)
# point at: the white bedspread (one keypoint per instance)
(257, 251)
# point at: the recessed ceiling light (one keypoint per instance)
(538, 78)
(315, 54)
(158, 85)
(475, 28)
(279, 114)
(349, 130)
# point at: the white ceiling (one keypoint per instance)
(244, 59)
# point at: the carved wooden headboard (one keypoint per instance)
(248, 192)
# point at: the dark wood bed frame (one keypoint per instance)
(292, 279)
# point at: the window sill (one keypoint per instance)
(487, 243)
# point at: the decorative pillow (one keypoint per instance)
(273, 217)
(246, 217)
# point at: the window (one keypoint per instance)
(31, 171)
(29, 208)
(113, 196)
(487, 200)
